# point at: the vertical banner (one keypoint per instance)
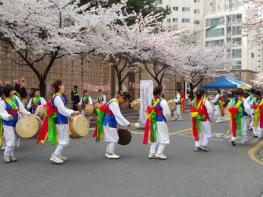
(146, 95)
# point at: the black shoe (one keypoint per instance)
(204, 148)
(196, 149)
(233, 143)
(255, 136)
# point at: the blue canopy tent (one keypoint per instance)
(226, 83)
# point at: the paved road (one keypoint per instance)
(223, 172)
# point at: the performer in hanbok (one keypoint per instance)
(178, 110)
(249, 110)
(202, 116)
(85, 100)
(35, 102)
(101, 97)
(57, 106)
(238, 117)
(256, 104)
(110, 118)
(156, 129)
(10, 107)
(2, 142)
(218, 106)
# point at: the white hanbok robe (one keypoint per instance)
(9, 131)
(217, 108)
(162, 128)
(62, 129)
(111, 134)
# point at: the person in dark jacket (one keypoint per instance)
(75, 98)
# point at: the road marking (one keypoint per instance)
(180, 132)
(171, 134)
(252, 153)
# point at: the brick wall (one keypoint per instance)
(73, 70)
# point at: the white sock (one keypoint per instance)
(161, 148)
(197, 144)
(110, 148)
(58, 150)
(153, 147)
(8, 151)
(204, 141)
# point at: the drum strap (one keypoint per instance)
(12, 112)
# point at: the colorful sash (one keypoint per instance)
(182, 105)
(48, 128)
(235, 115)
(150, 130)
(12, 103)
(198, 114)
(36, 101)
(100, 98)
(221, 106)
(85, 101)
(258, 110)
(98, 132)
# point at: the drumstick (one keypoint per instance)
(227, 132)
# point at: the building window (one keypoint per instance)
(197, 1)
(160, 1)
(185, 20)
(237, 66)
(186, 9)
(237, 41)
(232, 4)
(236, 30)
(214, 43)
(252, 55)
(168, 20)
(196, 22)
(175, 20)
(214, 21)
(237, 18)
(215, 32)
(175, 8)
(236, 53)
(196, 11)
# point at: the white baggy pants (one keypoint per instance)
(244, 127)
(10, 140)
(217, 113)
(178, 112)
(111, 137)
(63, 138)
(163, 139)
(205, 134)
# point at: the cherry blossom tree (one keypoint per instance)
(124, 44)
(254, 17)
(258, 81)
(202, 64)
(42, 31)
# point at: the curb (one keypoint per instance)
(252, 153)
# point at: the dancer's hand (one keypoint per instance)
(75, 113)
(10, 118)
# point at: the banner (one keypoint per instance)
(95, 88)
(146, 95)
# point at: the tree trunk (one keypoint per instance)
(42, 87)
(112, 81)
(119, 84)
(191, 96)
